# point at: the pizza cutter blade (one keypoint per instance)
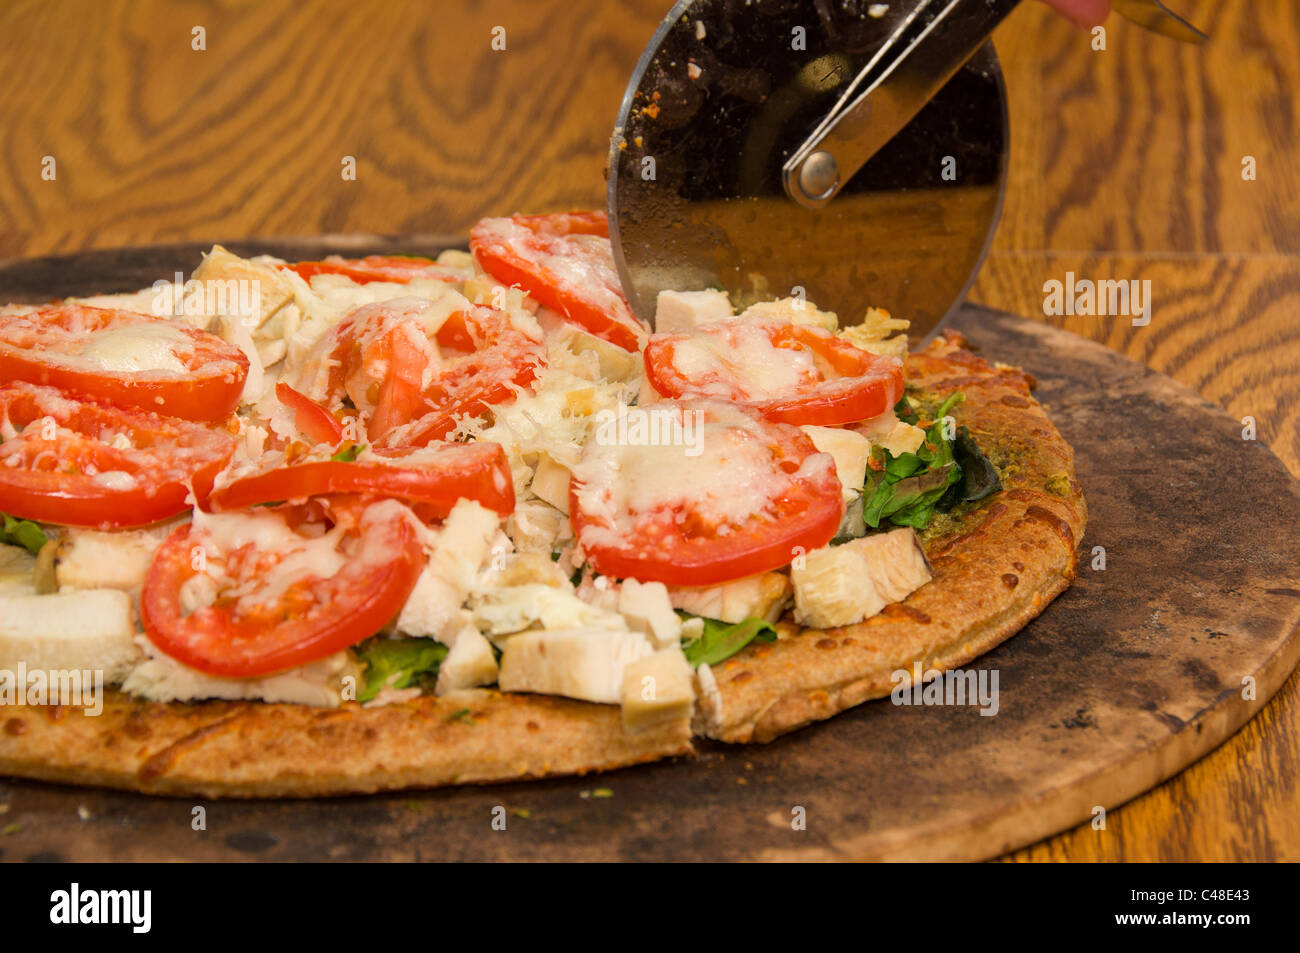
(723, 99)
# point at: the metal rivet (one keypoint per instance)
(819, 174)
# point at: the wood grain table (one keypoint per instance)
(1127, 163)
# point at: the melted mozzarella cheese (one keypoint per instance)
(725, 474)
(138, 347)
(741, 355)
(265, 532)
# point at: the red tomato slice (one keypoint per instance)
(78, 463)
(312, 420)
(409, 373)
(400, 396)
(391, 268)
(700, 492)
(434, 477)
(274, 595)
(566, 263)
(480, 382)
(789, 373)
(130, 359)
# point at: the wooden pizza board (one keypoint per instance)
(1135, 672)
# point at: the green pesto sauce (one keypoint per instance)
(1005, 455)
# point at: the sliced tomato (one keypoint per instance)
(433, 477)
(790, 373)
(567, 264)
(409, 373)
(720, 493)
(400, 393)
(391, 268)
(480, 382)
(278, 593)
(81, 463)
(312, 420)
(126, 358)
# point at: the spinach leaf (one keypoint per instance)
(904, 412)
(979, 478)
(348, 453)
(908, 486)
(852, 525)
(402, 660)
(22, 533)
(721, 641)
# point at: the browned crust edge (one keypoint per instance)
(1003, 565)
(249, 749)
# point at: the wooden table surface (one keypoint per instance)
(1126, 163)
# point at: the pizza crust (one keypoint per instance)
(1004, 563)
(250, 749)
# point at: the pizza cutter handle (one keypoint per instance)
(928, 46)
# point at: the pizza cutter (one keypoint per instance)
(849, 153)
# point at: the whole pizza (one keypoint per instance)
(350, 525)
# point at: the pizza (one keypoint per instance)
(351, 525)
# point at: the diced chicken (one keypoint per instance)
(850, 450)
(901, 438)
(470, 663)
(841, 585)
(537, 527)
(17, 568)
(612, 362)
(460, 548)
(793, 310)
(94, 559)
(647, 609)
(522, 569)
(320, 684)
(94, 629)
(683, 310)
(709, 715)
(503, 612)
(755, 597)
(599, 591)
(578, 663)
(657, 689)
(230, 282)
(249, 303)
(551, 483)
(878, 333)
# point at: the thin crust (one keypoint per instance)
(998, 567)
(995, 568)
(251, 749)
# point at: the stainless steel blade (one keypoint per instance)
(1155, 16)
(724, 94)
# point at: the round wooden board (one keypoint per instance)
(1132, 674)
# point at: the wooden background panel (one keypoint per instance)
(1139, 147)
(155, 141)
(1223, 325)
(1125, 164)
